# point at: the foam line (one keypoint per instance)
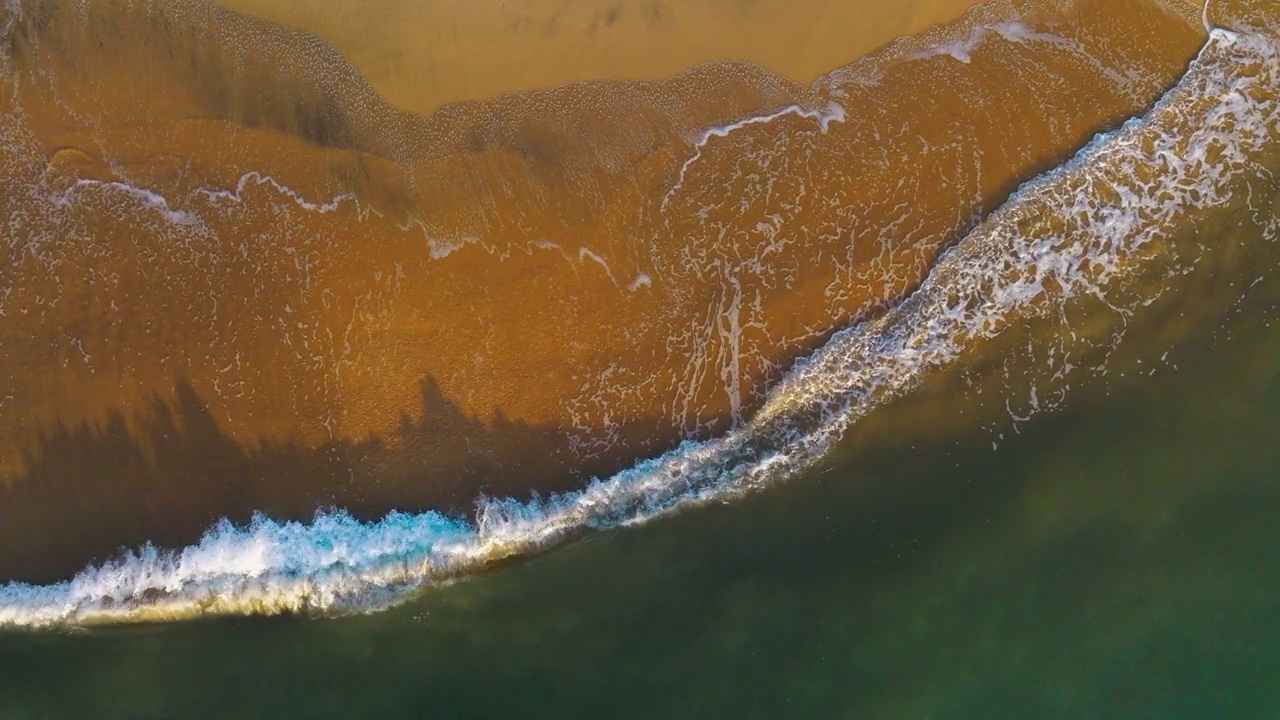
(1074, 236)
(833, 113)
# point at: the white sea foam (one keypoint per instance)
(258, 179)
(147, 198)
(1015, 31)
(1073, 236)
(834, 112)
(441, 249)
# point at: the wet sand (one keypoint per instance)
(247, 285)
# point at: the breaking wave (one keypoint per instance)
(1100, 237)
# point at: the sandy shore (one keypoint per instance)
(421, 54)
(238, 279)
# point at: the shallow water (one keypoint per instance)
(1114, 559)
(1027, 467)
(254, 284)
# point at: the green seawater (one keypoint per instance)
(1117, 558)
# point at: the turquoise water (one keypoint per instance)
(1114, 559)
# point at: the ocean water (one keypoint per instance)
(950, 414)
(1114, 559)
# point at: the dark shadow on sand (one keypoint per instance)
(89, 491)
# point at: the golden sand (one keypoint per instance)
(238, 278)
(421, 55)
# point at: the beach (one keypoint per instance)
(267, 287)
(424, 55)
(650, 358)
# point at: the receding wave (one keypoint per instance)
(1069, 262)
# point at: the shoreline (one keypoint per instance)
(326, 359)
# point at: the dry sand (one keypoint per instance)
(421, 54)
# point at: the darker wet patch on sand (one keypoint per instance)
(165, 474)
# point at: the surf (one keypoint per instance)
(261, 287)
(1068, 265)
